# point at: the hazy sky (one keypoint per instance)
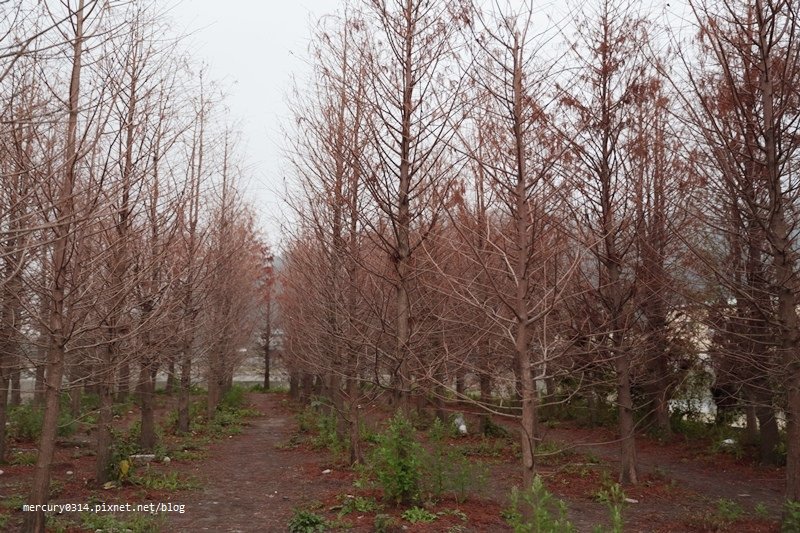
(253, 47)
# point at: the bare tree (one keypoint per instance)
(744, 111)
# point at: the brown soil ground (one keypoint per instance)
(254, 481)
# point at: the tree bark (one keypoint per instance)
(34, 522)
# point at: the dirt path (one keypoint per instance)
(249, 483)
(714, 478)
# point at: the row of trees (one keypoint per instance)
(588, 212)
(126, 247)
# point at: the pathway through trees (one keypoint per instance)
(249, 483)
(253, 481)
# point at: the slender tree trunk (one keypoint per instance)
(147, 435)
(16, 385)
(267, 355)
(184, 391)
(170, 386)
(103, 440)
(34, 522)
(628, 470)
(124, 382)
(294, 386)
(793, 437)
(38, 385)
(486, 397)
(3, 414)
(769, 435)
(356, 454)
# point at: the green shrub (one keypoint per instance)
(728, 511)
(25, 423)
(447, 469)
(304, 521)
(544, 513)
(385, 523)
(327, 436)
(234, 398)
(614, 498)
(396, 461)
(307, 419)
(24, 458)
(791, 517)
(358, 504)
(493, 430)
(418, 514)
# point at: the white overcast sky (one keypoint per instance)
(253, 48)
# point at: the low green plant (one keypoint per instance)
(188, 455)
(418, 514)
(4, 518)
(25, 423)
(307, 419)
(448, 469)
(458, 513)
(24, 458)
(56, 524)
(122, 408)
(126, 443)
(495, 431)
(535, 510)
(791, 517)
(761, 510)
(316, 419)
(234, 398)
(13, 502)
(327, 436)
(358, 504)
(396, 461)
(55, 489)
(614, 498)
(384, 523)
(465, 477)
(490, 448)
(305, 521)
(727, 512)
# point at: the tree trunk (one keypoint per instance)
(147, 435)
(486, 398)
(267, 354)
(16, 386)
(38, 386)
(103, 440)
(769, 435)
(184, 393)
(3, 414)
(124, 383)
(34, 522)
(793, 436)
(628, 471)
(75, 394)
(170, 386)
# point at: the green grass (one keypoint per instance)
(24, 458)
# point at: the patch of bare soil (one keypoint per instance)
(252, 482)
